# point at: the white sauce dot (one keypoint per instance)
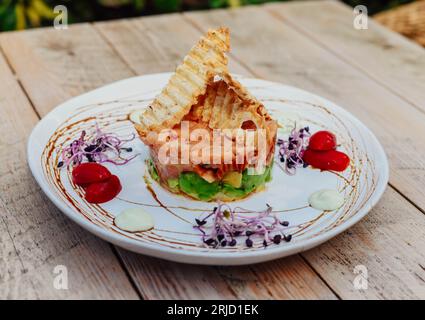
(134, 219)
(326, 199)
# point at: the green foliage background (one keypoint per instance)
(21, 14)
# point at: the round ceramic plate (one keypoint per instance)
(174, 237)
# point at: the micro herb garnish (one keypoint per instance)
(291, 151)
(224, 225)
(100, 147)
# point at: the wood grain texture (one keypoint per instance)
(34, 236)
(389, 242)
(55, 65)
(290, 278)
(294, 59)
(386, 56)
(154, 44)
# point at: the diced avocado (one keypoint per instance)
(197, 187)
(233, 178)
(232, 192)
(250, 181)
(193, 185)
(173, 184)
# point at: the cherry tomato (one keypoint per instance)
(100, 192)
(322, 141)
(89, 172)
(327, 160)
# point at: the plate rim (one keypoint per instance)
(211, 257)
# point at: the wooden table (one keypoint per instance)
(376, 74)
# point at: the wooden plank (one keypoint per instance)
(286, 55)
(401, 62)
(147, 46)
(288, 278)
(389, 242)
(55, 65)
(283, 54)
(34, 236)
(172, 37)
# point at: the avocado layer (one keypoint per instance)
(195, 186)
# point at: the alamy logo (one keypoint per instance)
(61, 20)
(60, 282)
(219, 146)
(360, 17)
(361, 280)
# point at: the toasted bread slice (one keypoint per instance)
(205, 60)
(225, 109)
(203, 90)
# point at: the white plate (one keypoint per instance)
(174, 237)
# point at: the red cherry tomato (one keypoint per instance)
(322, 141)
(89, 172)
(327, 160)
(100, 192)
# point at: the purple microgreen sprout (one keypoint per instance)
(291, 151)
(100, 147)
(224, 225)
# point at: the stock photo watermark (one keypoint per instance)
(61, 20)
(360, 21)
(203, 146)
(60, 280)
(360, 282)
(361, 18)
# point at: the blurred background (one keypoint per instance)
(23, 14)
